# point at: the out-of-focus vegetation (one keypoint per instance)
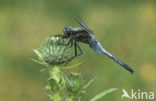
(126, 28)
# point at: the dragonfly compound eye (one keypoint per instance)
(67, 29)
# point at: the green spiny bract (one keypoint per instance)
(54, 51)
(73, 82)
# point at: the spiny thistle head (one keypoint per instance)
(54, 51)
(73, 82)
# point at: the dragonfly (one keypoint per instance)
(85, 35)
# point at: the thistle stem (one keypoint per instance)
(71, 98)
(57, 97)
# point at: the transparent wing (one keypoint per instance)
(81, 22)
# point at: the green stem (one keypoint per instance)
(55, 73)
(57, 97)
(71, 98)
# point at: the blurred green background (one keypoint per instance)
(126, 28)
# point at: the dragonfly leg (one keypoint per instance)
(60, 36)
(70, 43)
(64, 37)
(77, 46)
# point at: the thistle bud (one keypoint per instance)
(54, 51)
(73, 82)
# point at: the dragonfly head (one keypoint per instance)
(67, 30)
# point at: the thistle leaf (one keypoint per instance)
(103, 94)
(71, 67)
(42, 63)
(88, 83)
(37, 53)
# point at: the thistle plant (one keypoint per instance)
(62, 86)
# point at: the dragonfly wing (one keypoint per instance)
(81, 22)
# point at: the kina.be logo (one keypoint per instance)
(140, 95)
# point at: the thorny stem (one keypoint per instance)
(70, 98)
(57, 97)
